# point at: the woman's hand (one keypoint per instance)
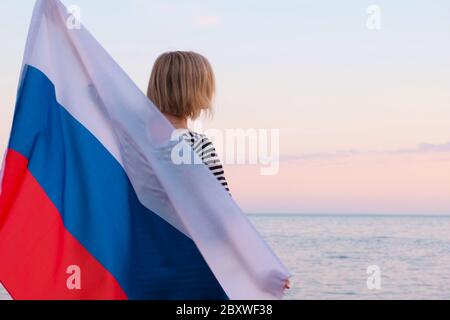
(287, 284)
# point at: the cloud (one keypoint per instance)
(426, 148)
(207, 21)
(423, 148)
(323, 156)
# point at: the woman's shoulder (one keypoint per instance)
(196, 135)
(196, 138)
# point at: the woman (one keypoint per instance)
(182, 86)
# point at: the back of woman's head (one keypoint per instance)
(182, 84)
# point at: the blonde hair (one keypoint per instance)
(182, 84)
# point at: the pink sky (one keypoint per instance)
(310, 69)
(369, 184)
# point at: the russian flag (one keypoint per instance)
(89, 190)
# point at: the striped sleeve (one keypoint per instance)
(206, 151)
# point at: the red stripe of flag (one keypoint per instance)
(35, 247)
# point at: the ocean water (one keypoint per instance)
(329, 255)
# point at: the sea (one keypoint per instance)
(361, 256)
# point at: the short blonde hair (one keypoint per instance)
(182, 84)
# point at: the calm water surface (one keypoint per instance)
(329, 255)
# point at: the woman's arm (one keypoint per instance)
(206, 151)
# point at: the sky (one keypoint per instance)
(363, 114)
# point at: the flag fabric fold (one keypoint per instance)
(88, 182)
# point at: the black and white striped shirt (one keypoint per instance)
(206, 151)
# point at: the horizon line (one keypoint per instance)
(447, 215)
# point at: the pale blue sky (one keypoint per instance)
(295, 64)
(308, 67)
